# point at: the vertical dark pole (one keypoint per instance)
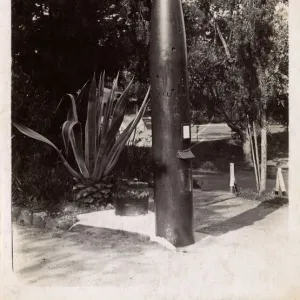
(170, 110)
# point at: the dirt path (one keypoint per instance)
(233, 261)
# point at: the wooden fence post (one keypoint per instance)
(280, 189)
(232, 179)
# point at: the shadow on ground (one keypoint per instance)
(246, 218)
(95, 256)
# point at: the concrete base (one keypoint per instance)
(143, 225)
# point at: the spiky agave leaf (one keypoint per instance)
(91, 128)
(116, 150)
(100, 104)
(72, 129)
(72, 111)
(108, 137)
(117, 118)
(109, 106)
(83, 94)
(72, 116)
(33, 134)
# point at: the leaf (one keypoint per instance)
(91, 128)
(72, 113)
(109, 138)
(82, 103)
(75, 136)
(65, 137)
(109, 105)
(121, 103)
(104, 126)
(100, 105)
(81, 93)
(120, 143)
(31, 133)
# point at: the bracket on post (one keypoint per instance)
(185, 154)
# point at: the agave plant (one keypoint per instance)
(98, 156)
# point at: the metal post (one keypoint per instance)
(170, 110)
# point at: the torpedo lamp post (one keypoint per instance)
(171, 128)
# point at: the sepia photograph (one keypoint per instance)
(149, 153)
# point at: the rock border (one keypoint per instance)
(41, 219)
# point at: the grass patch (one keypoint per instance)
(222, 152)
(268, 198)
(216, 155)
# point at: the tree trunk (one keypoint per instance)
(246, 149)
(243, 134)
(263, 176)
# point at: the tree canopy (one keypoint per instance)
(238, 51)
(239, 62)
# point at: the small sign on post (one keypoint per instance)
(186, 131)
(280, 189)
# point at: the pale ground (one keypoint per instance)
(200, 133)
(244, 252)
(212, 132)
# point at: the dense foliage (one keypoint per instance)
(97, 151)
(237, 51)
(239, 58)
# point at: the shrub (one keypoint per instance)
(102, 119)
(31, 189)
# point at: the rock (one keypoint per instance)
(109, 206)
(50, 223)
(70, 208)
(77, 197)
(105, 191)
(94, 207)
(100, 185)
(97, 195)
(101, 207)
(89, 200)
(25, 217)
(78, 186)
(80, 194)
(91, 189)
(39, 219)
(15, 212)
(65, 224)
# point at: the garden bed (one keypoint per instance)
(63, 216)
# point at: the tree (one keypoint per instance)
(59, 44)
(237, 62)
